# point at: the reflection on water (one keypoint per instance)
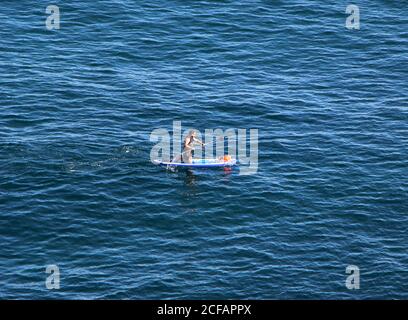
(191, 176)
(195, 185)
(190, 179)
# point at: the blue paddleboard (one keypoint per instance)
(198, 163)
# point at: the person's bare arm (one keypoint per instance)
(200, 142)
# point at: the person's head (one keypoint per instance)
(192, 133)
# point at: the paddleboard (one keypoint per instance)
(199, 163)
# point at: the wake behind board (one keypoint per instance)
(199, 163)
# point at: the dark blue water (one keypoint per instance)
(77, 188)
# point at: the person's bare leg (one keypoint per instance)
(187, 157)
(177, 159)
